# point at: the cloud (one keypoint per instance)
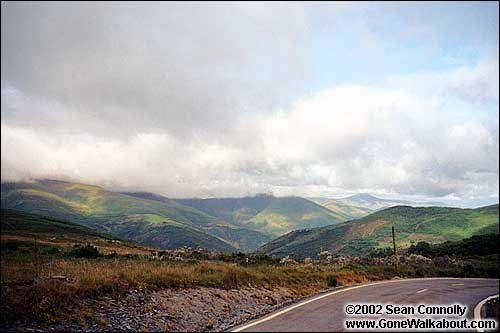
(189, 100)
(478, 85)
(345, 138)
(144, 67)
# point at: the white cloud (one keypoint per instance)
(345, 138)
(189, 100)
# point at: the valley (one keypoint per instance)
(248, 165)
(278, 226)
(230, 225)
(171, 262)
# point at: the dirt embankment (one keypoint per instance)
(192, 309)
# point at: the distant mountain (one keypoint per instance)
(412, 224)
(362, 204)
(345, 212)
(230, 225)
(233, 210)
(373, 203)
(227, 215)
(265, 213)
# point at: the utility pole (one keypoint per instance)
(394, 250)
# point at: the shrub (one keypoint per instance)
(10, 245)
(331, 281)
(468, 270)
(87, 251)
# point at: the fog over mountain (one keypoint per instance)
(234, 99)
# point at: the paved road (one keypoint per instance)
(327, 313)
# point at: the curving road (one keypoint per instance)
(326, 312)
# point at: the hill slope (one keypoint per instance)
(31, 225)
(268, 214)
(345, 212)
(363, 204)
(164, 224)
(230, 225)
(21, 230)
(412, 224)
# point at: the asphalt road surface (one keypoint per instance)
(326, 312)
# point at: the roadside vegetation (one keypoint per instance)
(41, 282)
(49, 266)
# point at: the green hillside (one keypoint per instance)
(290, 213)
(32, 225)
(232, 210)
(230, 225)
(164, 224)
(243, 238)
(226, 215)
(268, 214)
(31, 233)
(412, 224)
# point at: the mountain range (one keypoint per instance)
(412, 224)
(230, 225)
(274, 225)
(362, 204)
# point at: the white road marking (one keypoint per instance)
(477, 310)
(456, 284)
(279, 313)
(421, 291)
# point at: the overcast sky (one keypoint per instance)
(231, 99)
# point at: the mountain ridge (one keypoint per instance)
(412, 224)
(155, 220)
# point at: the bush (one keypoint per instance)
(10, 245)
(331, 281)
(476, 245)
(50, 250)
(87, 251)
(469, 270)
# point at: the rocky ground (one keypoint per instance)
(200, 309)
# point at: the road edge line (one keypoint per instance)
(285, 310)
(477, 309)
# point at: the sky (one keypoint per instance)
(226, 99)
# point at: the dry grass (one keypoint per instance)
(29, 291)
(87, 276)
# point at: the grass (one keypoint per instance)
(105, 273)
(32, 287)
(29, 290)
